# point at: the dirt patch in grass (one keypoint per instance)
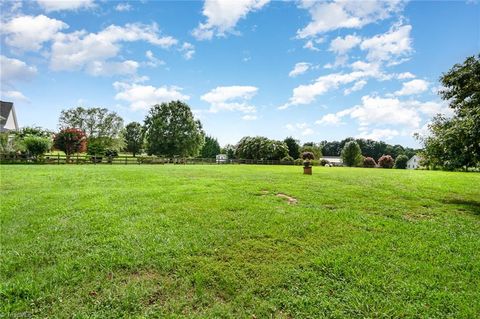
(414, 217)
(290, 200)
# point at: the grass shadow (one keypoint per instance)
(467, 205)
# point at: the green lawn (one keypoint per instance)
(215, 241)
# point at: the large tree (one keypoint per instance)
(95, 121)
(133, 136)
(260, 147)
(171, 130)
(102, 127)
(331, 148)
(454, 142)
(293, 147)
(352, 154)
(211, 148)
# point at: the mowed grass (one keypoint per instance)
(216, 242)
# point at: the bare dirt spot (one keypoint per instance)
(290, 200)
(264, 192)
(414, 217)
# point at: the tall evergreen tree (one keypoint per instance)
(352, 154)
(211, 148)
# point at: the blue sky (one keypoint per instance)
(313, 70)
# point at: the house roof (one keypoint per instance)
(5, 109)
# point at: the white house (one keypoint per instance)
(333, 160)
(8, 118)
(414, 162)
(221, 158)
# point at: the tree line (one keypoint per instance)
(170, 130)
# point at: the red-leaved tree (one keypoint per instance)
(71, 141)
(386, 161)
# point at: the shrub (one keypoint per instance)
(308, 156)
(401, 161)
(70, 141)
(352, 154)
(369, 162)
(324, 162)
(287, 158)
(386, 161)
(9, 143)
(37, 146)
(96, 147)
(312, 148)
(298, 161)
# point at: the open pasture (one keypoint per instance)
(172, 241)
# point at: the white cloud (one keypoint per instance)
(11, 95)
(390, 45)
(378, 134)
(378, 111)
(28, 33)
(330, 119)
(230, 98)
(356, 87)
(385, 111)
(123, 7)
(310, 46)
(12, 70)
(79, 50)
(405, 76)
(302, 128)
(332, 15)
(412, 87)
(341, 45)
(144, 96)
(188, 50)
(223, 15)
(306, 94)
(101, 68)
(249, 117)
(152, 60)
(299, 68)
(58, 5)
(432, 108)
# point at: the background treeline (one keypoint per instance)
(170, 130)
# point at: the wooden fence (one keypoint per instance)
(129, 160)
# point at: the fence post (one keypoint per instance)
(58, 159)
(126, 160)
(94, 159)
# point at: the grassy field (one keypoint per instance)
(217, 242)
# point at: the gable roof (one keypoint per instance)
(7, 110)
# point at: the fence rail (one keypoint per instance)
(60, 159)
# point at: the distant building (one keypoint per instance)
(221, 158)
(414, 162)
(333, 160)
(8, 118)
